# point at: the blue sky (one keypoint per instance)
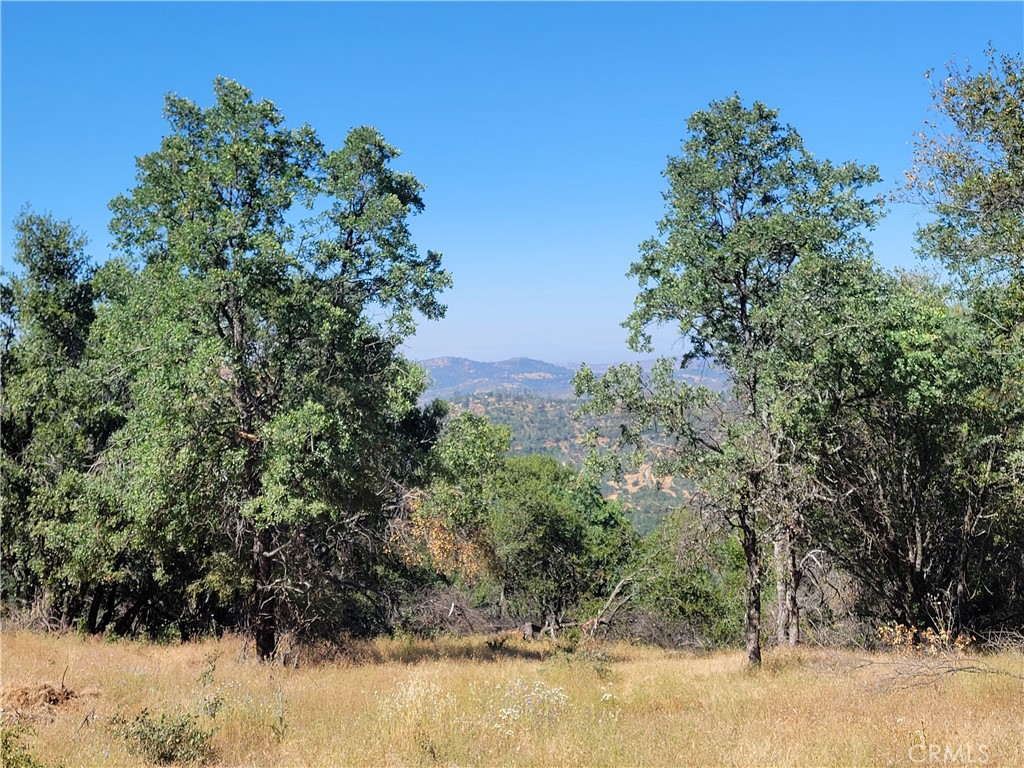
(540, 129)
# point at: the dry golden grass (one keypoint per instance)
(464, 702)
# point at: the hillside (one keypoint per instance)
(548, 426)
(535, 400)
(451, 377)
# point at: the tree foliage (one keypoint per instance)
(216, 428)
(882, 414)
(969, 170)
(557, 542)
(250, 331)
(58, 416)
(747, 205)
(529, 535)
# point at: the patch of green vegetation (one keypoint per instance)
(167, 739)
(14, 754)
(549, 426)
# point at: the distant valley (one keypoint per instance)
(535, 400)
(452, 377)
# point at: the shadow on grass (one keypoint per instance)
(414, 650)
(487, 649)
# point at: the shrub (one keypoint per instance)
(14, 754)
(927, 642)
(177, 738)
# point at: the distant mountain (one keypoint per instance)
(454, 376)
(450, 376)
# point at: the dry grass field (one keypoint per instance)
(466, 702)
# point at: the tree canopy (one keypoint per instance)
(748, 206)
(216, 427)
(249, 333)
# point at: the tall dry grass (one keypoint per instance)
(466, 702)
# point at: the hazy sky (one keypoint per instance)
(540, 129)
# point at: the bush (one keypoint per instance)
(691, 590)
(167, 739)
(14, 754)
(924, 642)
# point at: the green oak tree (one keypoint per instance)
(747, 203)
(58, 415)
(969, 172)
(47, 313)
(558, 544)
(273, 425)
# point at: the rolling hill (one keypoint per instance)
(452, 377)
(535, 400)
(548, 426)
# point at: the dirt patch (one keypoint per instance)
(37, 701)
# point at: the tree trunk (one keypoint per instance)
(787, 584)
(752, 555)
(265, 600)
(123, 626)
(792, 589)
(108, 610)
(782, 588)
(960, 604)
(94, 610)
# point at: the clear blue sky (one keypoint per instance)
(541, 130)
